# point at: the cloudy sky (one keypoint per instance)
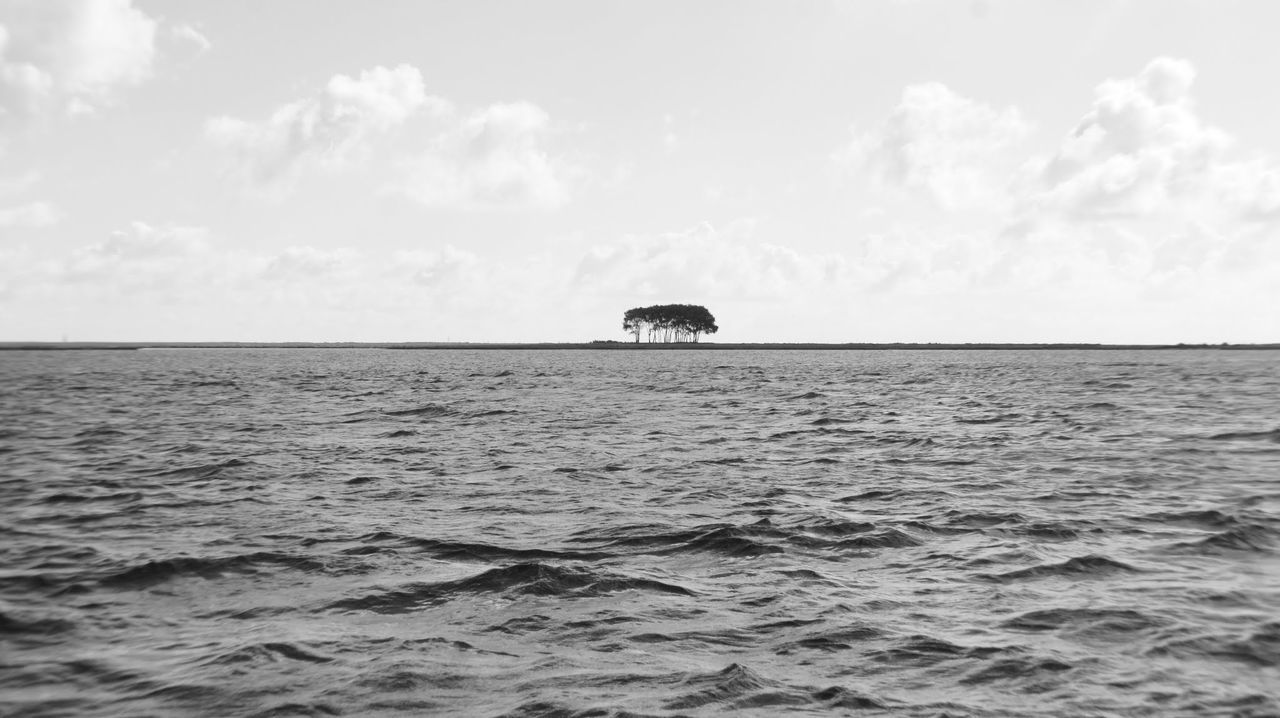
(526, 171)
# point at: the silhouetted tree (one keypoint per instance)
(669, 322)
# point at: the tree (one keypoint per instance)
(669, 322)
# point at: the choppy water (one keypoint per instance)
(298, 532)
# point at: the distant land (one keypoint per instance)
(601, 345)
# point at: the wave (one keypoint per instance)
(821, 460)
(1242, 537)
(159, 571)
(995, 419)
(267, 653)
(1202, 518)
(726, 461)
(876, 495)
(96, 436)
(841, 697)
(552, 709)
(1019, 669)
(841, 638)
(1046, 531)
(64, 498)
(428, 411)
(19, 622)
(887, 538)
(205, 471)
(468, 551)
(1004, 523)
(538, 579)
(724, 539)
(1108, 384)
(921, 650)
(763, 537)
(730, 637)
(737, 687)
(1091, 566)
(733, 682)
(1271, 436)
(828, 526)
(1261, 647)
(1103, 621)
(397, 434)
(522, 624)
(732, 541)
(831, 431)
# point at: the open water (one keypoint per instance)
(593, 533)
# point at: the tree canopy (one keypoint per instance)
(669, 322)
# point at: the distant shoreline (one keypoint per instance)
(606, 346)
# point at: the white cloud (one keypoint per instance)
(141, 269)
(328, 130)
(23, 86)
(1144, 203)
(1141, 149)
(703, 262)
(307, 263)
(1252, 189)
(493, 159)
(1141, 202)
(140, 253)
(1047, 282)
(142, 241)
(941, 143)
(191, 36)
(437, 269)
(71, 54)
(112, 44)
(442, 269)
(33, 214)
(1141, 152)
(150, 281)
(183, 262)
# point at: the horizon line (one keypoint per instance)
(614, 345)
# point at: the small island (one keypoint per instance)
(669, 323)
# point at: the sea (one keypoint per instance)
(380, 532)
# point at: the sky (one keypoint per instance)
(404, 170)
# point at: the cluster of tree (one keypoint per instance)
(669, 322)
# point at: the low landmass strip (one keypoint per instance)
(604, 345)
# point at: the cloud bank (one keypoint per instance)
(72, 51)
(328, 130)
(31, 214)
(492, 158)
(1141, 149)
(703, 262)
(940, 143)
(75, 56)
(1141, 223)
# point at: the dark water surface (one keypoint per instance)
(329, 532)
